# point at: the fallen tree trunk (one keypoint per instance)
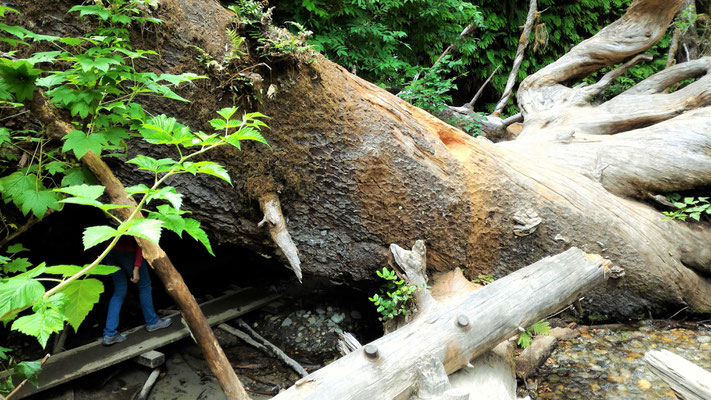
(457, 332)
(356, 168)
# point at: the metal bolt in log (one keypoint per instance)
(462, 321)
(371, 351)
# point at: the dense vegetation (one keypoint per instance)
(389, 42)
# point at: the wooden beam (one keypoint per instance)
(77, 362)
(457, 332)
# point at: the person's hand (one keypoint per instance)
(136, 277)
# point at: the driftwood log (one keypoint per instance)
(456, 332)
(687, 379)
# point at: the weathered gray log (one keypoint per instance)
(456, 333)
(490, 376)
(687, 379)
(534, 355)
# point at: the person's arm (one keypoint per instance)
(137, 264)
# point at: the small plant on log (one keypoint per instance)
(539, 328)
(394, 296)
(688, 207)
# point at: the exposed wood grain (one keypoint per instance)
(685, 378)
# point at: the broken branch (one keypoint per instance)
(277, 229)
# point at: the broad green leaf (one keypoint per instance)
(78, 176)
(28, 370)
(91, 192)
(41, 324)
(218, 124)
(178, 79)
(19, 78)
(71, 41)
(171, 218)
(227, 112)
(4, 352)
(68, 270)
(169, 194)
(17, 265)
(54, 167)
(93, 9)
(18, 292)
(81, 294)
(192, 227)
(51, 80)
(39, 201)
(5, 8)
(4, 135)
(101, 63)
(16, 248)
(80, 143)
(151, 164)
(137, 189)
(212, 168)
(80, 108)
(143, 228)
(43, 56)
(97, 234)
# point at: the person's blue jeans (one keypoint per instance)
(124, 260)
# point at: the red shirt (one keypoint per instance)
(128, 243)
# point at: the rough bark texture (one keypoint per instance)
(356, 168)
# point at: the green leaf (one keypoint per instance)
(28, 370)
(218, 124)
(80, 108)
(78, 176)
(94, 235)
(39, 201)
(19, 78)
(4, 135)
(71, 41)
(211, 168)
(101, 63)
(143, 228)
(80, 143)
(5, 8)
(151, 164)
(81, 296)
(18, 292)
(16, 248)
(4, 352)
(84, 191)
(169, 194)
(17, 265)
(68, 270)
(178, 79)
(95, 9)
(54, 167)
(43, 56)
(192, 227)
(41, 324)
(227, 112)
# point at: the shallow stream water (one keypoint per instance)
(607, 363)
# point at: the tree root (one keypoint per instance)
(277, 229)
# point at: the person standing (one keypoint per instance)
(127, 255)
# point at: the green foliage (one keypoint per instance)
(431, 91)
(394, 295)
(20, 370)
(483, 279)
(95, 80)
(688, 207)
(539, 328)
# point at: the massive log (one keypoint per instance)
(356, 168)
(455, 332)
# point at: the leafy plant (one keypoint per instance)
(24, 370)
(431, 91)
(539, 328)
(394, 295)
(484, 279)
(98, 84)
(688, 207)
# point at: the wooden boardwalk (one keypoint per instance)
(92, 357)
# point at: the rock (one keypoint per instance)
(355, 314)
(338, 317)
(644, 384)
(564, 333)
(286, 322)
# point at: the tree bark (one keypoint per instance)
(356, 168)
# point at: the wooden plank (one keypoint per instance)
(686, 378)
(92, 357)
(454, 332)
